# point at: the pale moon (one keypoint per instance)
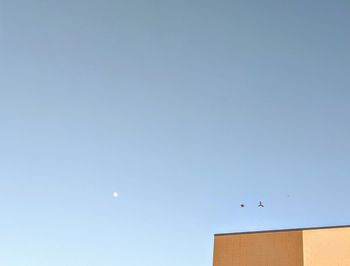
(115, 194)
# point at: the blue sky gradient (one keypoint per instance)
(186, 108)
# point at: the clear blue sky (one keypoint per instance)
(187, 108)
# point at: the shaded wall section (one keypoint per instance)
(259, 249)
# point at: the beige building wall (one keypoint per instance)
(327, 247)
(259, 249)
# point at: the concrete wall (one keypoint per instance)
(327, 247)
(259, 249)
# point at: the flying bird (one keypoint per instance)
(260, 204)
(242, 205)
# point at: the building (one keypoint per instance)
(322, 246)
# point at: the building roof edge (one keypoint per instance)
(283, 230)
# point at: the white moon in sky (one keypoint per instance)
(115, 194)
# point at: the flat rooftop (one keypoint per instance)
(283, 230)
